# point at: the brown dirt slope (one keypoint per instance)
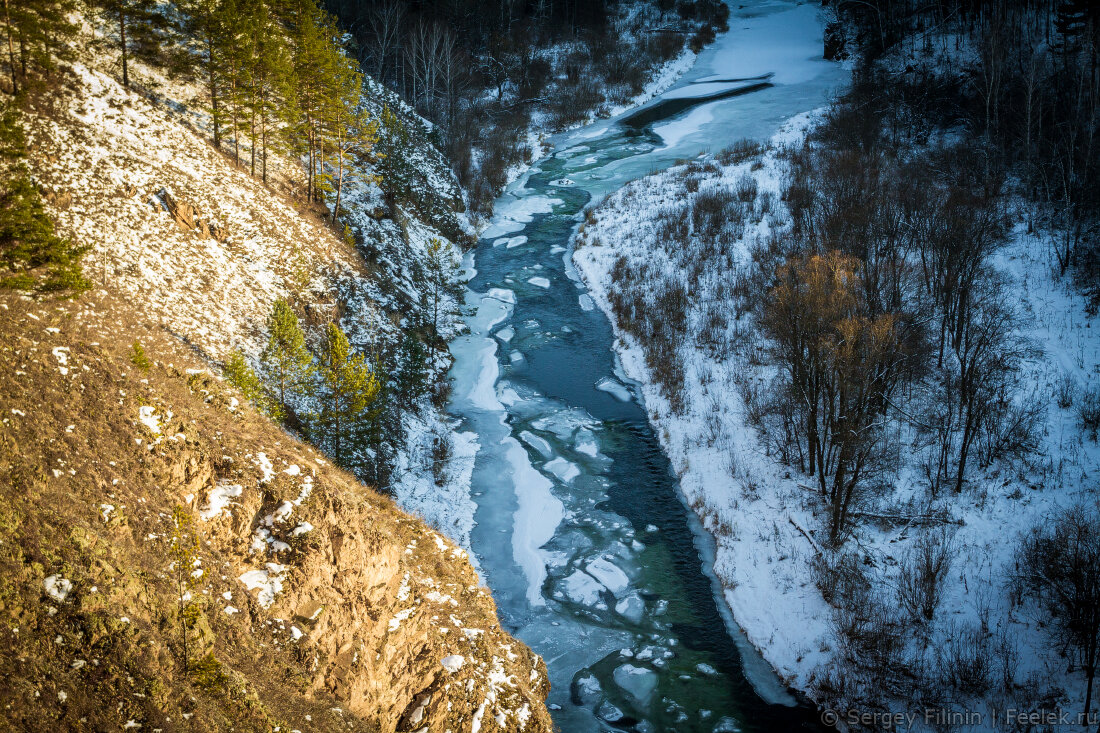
(355, 605)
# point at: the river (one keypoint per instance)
(582, 534)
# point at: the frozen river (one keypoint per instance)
(581, 532)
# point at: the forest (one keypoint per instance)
(487, 73)
(864, 292)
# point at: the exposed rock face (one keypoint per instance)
(320, 604)
(186, 218)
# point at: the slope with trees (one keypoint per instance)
(869, 350)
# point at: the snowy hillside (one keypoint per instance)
(769, 523)
(206, 248)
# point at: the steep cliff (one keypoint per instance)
(315, 602)
(171, 559)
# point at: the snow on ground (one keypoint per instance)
(785, 44)
(759, 511)
(112, 163)
(441, 497)
(206, 247)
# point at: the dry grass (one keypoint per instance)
(72, 444)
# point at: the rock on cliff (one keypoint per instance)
(311, 602)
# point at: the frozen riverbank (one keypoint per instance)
(581, 530)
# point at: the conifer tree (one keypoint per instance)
(140, 27)
(267, 80)
(439, 258)
(32, 35)
(348, 395)
(27, 237)
(287, 361)
(392, 154)
(350, 131)
(312, 67)
(206, 22)
(240, 374)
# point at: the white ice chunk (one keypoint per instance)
(564, 470)
(582, 588)
(612, 577)
(638, 682)
(539, 444)
(631, 608)
(585, 442)
(615, 388)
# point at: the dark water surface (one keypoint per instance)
(582, 534)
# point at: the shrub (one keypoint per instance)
(138, 358)
(739, 152)
(964, 660)
(1065, 391)
(1088, 411)
(922, 573)
(710, 209)
(746, 188)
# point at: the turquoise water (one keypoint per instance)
(581, 532)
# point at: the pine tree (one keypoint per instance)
(287, 361)
(348, 396)
(240, 374)
(266, 80)
(206, 22)
(312, 67)
(34, 31)
(27, 237)
(184, 553)
(350, 131)
(412, 374)
(438, 266)
(141, 30)
(392, 153)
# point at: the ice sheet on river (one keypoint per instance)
(513, 213)
(537, 517)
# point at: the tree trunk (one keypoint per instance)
(1088, 695)
(11, 49)
(122, 44)
(339, 184)
(212, 77)
(263, 134)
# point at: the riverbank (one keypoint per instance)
(580, 530)
(762, 562)
(669, 259)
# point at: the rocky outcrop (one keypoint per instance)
(313, 603)
(186, 217)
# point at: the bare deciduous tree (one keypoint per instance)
(1059, 562)
(385, 27)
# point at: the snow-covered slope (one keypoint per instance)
(206, 248)
(768, 525)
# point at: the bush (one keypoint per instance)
(746, 189)
(703, 37)
(138, 358)
(922, 573)
(1088, 412)
(1065, 391)
(739, 152)
(710, 210)
(964, 660)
